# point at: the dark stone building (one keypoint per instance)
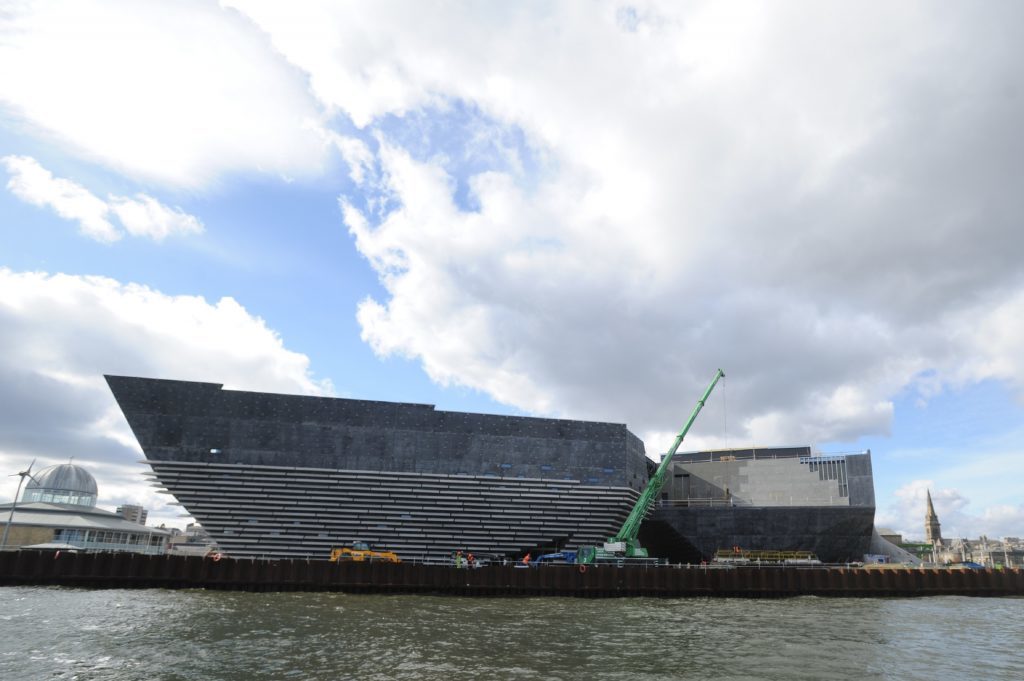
(283, 475)
(774, 499)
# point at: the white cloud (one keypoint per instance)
(145, 216)
(59, 334)
(177, 94)
(574, 319)
(821, 200)
(996, 330)
(141, 216)
(34, 184)
(357, 155)
(906, 514)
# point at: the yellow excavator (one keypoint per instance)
(361, 552)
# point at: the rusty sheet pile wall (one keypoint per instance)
(127, 570)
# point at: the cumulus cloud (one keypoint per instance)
(906, 513)
(34, 184)
(821, 199)
(145, 216)
(59, 334)
(559, 313)
(357, 155)
(141, 215)
(177, 94)
(998, 335)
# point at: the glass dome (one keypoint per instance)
(62, 484)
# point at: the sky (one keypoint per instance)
(568, 209)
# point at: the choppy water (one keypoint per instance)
(55, 633)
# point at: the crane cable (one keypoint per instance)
(725, 416)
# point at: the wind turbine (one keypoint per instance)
(27, 473)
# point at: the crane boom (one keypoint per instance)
(627, 534)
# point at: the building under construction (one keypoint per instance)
(294, 476)
(771, 499)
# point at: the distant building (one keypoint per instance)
(133, 513)
(194, 541)
(932, 530)
(983, 551)
(64, 484)
(195, 532)
(891, 536)
(58, 511)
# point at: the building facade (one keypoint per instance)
(133, 513)
(294, 476)
(772, 499)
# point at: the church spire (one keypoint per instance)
(932, 530)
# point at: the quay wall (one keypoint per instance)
(129, 570)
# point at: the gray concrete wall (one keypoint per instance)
(768, 480)
(862, 481)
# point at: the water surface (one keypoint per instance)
(60, 633)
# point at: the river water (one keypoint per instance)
(60, 633)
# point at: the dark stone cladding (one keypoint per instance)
(292, 476)
(837, 534)
(201, 422)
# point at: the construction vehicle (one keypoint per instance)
(360, 552)
(568, 557)
(624, 545)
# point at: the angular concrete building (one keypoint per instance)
(294, 476)
(775, 499)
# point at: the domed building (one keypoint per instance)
(65, 483)
(57, 510)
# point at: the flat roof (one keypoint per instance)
(42, 514)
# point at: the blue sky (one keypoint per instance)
(567, 210)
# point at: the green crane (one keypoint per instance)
(625, 543)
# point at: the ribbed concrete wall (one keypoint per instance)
(303, 512)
